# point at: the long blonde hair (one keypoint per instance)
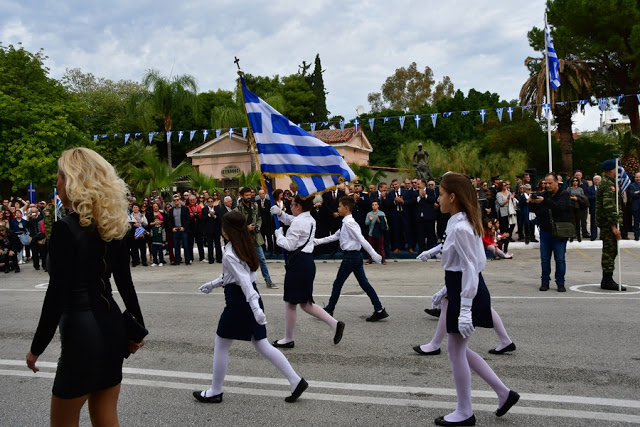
(97, 194)
(467, 198)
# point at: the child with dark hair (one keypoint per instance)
(351, 242)
(243, 317)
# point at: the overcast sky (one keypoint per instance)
(480, 44)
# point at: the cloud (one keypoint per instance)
(480, 44)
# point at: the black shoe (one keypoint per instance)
(378, 315)
(418, 350)
(339, 331)
(435, 312)
(17, 270)
(210, 262)
(37, 267)
(586, 235)
(213, 399)
(608, 287)
(175, 263)
(594, 237)
(187, 263)
(471, 421)
(300, 388)
(534, 240)
(510, 347)
(526, 240)
(289, 344)
(544, 287)
(144, 264)
(511, 400)
(561, 288)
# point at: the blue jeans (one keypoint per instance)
(263, 264)
(636, 223)
(352, 263)
(180, 238)
(548, 245)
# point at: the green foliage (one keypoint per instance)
(251, 180)
(366, 175)
(40, 119)
(319, 110)
(155, 173)
(298, 97)
(202, 182)
(590, 149)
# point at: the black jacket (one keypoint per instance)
(184, 219)
(560, 206)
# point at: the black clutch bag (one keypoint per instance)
(134, 330)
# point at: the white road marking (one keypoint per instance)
(578, 288)
(363, 399)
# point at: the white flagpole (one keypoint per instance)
(55, 203)
(546, 62)
(618, 225)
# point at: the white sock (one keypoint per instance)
(220, 364)
(278, 359)
(320, 314)
(500, 330)
(441, 330)
(290, 316)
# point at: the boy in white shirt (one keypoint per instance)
(351, 241)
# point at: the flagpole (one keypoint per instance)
(546, 48)
(55, 203)
(618, 225)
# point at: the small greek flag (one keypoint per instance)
(602, 102)
(371, 123)
(483, 113)
(191, 134)
(510, 111)
(552, 58)
(126, 137)
(286, 149)
(139, 231)
(623, 179)
(434, 118)
(401, 118)
(59, 206)
(417, 118)
(447, 114)
(499, 112)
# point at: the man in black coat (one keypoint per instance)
(266, 229)
(591, 195)
(330, 201)
(426, 217)
(211, 227)
(178, 221)
(9, 247)
(400, 200)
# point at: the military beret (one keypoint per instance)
(608, 165)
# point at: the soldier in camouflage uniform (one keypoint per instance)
(607, 218)
(50, 215)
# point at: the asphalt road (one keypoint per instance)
(577, 361)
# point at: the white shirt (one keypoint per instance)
(463, 251)
(298, 232)
(350, 236)
(237, 271)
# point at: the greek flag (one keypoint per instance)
(59, 206)
(286, 149)
(552, 58)
(623, 179)
(139, 231)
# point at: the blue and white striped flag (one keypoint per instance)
(286, 149)
(623, 179)
(552, 58)
(59, 206)
(446, 114)
(139, 231)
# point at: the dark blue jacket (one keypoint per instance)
(425, 208)
(634, 193)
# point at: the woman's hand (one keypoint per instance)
(31, 362)
(135, 346)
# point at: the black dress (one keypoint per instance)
(298, 280)
(237, 321)
(480, 308)
(80, 301)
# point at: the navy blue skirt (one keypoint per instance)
(237, 321)
(298, 281)
(480, 309)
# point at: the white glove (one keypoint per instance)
(279, 232)
(315, 242)
(433, 252)
(465, 324)
(258, 313)
(377, 258)
(275, 210)
(436, 299)
(209, 286)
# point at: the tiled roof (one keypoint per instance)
(335, 136)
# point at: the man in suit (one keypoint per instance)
(330, 200)
(426, 216)
(362, 207)
(211, 226)
(591, 195)
(178, 222)
(634, 193)
(401, 202)
(585, 188)
(264, 205)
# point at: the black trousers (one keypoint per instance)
(426, 230)
(39, 253)
(213, 241)
(138, 251)
(198, 238)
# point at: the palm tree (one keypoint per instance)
(366, 175)
(251, 180)
(200, 181)
(131, 157)
(165, 95)
(154, 173)
(576, 77)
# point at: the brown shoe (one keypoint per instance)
(410, 251)
(396, 251)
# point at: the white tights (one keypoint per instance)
(441, 330)
(496, 251)
(464, 360)
(221, 362)
(290, 316)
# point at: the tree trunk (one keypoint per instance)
(565, 136)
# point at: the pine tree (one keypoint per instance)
(320, 112)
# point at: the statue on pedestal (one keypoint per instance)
(421, 163)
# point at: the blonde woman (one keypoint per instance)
(86, 248)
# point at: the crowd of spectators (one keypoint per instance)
(399, 216)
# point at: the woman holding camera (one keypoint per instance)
(86, 248)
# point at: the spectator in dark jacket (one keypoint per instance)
(554, 205)
(9, 247)
(178, 222)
